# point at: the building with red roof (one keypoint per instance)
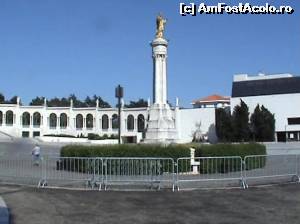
(215, 101)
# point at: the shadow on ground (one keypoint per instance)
(276, 204)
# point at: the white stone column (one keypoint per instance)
(159, 54)
(58, 122)
(135, 125)
(164, 81)
(157, 80)
(161, 125)
(110, 125)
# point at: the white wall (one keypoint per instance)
(188, 118)
(17, 128)
(282, 105)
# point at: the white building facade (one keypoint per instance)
(279, 93)
(33, 121)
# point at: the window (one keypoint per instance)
(36, 134)
(36, 119)
(141, 123)
(105, 122)
(79, 121)
(53, 120)
(89, 121)
(63, 120)
(25, 134)
(9, 120)
(115, 122)
(25, 119)
(130, 123)
(293, 120)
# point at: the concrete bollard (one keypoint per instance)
(194, 164)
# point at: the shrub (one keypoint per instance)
(157, 151)
(175, 151)
(60, 135)
(230, 150)
(92, 136)
(230, 164)
(171, 151)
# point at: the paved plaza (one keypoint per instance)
(264, 205)
(273, 204)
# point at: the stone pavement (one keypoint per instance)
(264, 205)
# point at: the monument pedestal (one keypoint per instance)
(161, 125)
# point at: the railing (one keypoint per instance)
(208, 169)
(150, 173)
(273, 168)
(20, 170)
(73, 172)
(133, 171)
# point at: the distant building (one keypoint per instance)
(212, 101)
(34, 121)
(279, 93)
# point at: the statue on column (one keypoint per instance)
(160, 26)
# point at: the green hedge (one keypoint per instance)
(173, 151)
(129, 150)
(92, 136)
(60, 135)
(230, 150)
(230, 165)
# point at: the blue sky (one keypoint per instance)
(58, 47)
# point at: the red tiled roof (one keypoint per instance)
(212, 98)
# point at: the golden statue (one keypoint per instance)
(160, 26)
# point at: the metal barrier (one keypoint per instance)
(21, 170)
(72, 172)
(275, 168)
(132, 171)
(204, 169)
(83, 172)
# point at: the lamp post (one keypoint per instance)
(119, 95)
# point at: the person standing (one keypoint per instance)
(36, 152)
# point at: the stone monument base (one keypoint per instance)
(161, 125)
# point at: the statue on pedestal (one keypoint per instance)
(160, 26)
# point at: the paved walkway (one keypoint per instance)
(277, 204)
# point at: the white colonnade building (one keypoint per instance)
(33, 121)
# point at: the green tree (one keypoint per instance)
(89, 102)
(138, 103)
(262, 124)
(224, 125)
(240, 122)
(38, 101)
(2, 98)
(54, 102)
(13, 100)
(269, 127)
(76, 101)
(257, 123)
(102, 103)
